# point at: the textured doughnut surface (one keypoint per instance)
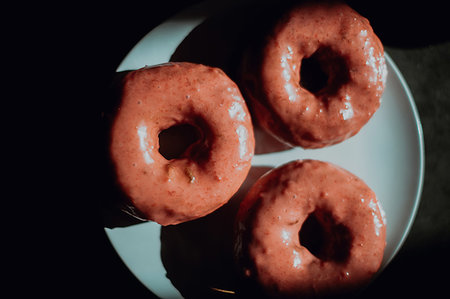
(210, 170)
(309, 228)
(333, 40)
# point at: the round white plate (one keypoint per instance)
(388, 154)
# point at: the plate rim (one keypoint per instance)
(421, 169)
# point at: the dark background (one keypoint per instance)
(415, 34)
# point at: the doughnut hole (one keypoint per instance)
(325, 238)
(324, 72)
(312, 77)
(178, 141)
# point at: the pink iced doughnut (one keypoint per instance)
(309, 228)
(210, 170)
(337, 43)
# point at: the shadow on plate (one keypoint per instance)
(198, 255)
(220, 41)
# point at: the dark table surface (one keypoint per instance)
(416, 37)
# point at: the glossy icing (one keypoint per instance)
(210, 171)
(345, 220)
(347, 50)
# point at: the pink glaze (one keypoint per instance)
(271, 225)
(210, 171)
(347, 50)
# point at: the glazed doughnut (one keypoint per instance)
(309, 228)
(210, 170)
(319, 76)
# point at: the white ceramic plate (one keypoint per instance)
(388, 154)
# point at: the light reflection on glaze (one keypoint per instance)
(242, 133)
(146, 151)
(372, 62)
(382, 74)
(236, 111)
(382, 213)
(347, 112)
(378, 224)
(376, 63)
(363, 33)
(285, 236)
(290, 88)
(297, 260)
